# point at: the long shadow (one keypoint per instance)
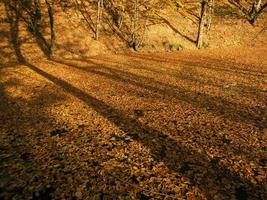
(168, 92)
(19, 162)
(166, 149)
(176, 30)
(191, 10)
(194, 21)
(222, 63)
(174, 72)
(240, 7)
(208, 62)
(217, 105)
(121, 35)
(86, 16)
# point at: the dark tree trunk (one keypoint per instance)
(134, 24)
(201, 24)
(51, 23)
(256, 10)
(35, 26)
(13, 15)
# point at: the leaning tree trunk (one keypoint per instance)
(201, 24)
(35, 27)
(51, 23)
(134, 25)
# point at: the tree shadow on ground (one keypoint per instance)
(176, 30)
(166, 149)
(207, 173)
(19, 167)
(176, 72)
(227, 11)
(210, 63)
(230, 111)
(32, 160)
(217, 105)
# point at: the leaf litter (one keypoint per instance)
(175, 132)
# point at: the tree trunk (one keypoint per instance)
(134, 23)
(13, 15)
(35, 28)
(210, 13)
(256, 10)
(99, 17)
(37, 16)
(201, 24)
(51, 23)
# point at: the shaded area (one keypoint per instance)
(10, 39)
(208, 63)
(140, 63)
(32, 164)
(18, 168)
(13, 18)
(206, 172)
(217, 105)
(163, 147)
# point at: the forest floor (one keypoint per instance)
(186, 125)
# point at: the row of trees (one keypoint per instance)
(128, 19)
(207, 6)
(139, 14)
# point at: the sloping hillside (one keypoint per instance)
(169, 29)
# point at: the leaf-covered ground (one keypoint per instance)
(188, 125)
